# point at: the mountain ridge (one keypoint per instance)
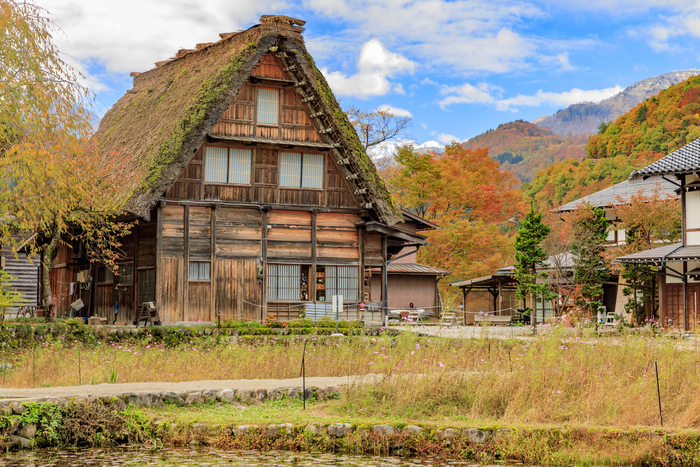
(586, 117)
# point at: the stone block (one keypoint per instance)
(274, 394)
(225, 395)
(243, 429)
(28, 431)
(475, 435)
(244, 395)
(294, 393)
(194, 398)
(447, 433)
(170, 397)
(117, 404)
(260, 394)
(308, 394)
(134, 332)
(339, 430)
(315, 428)
(132, 398)
(21, 442)
(209, 395)
(384, 430)
(6, 410)
(152, 400)
(17, 408)
(413, 429)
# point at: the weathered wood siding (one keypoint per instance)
(289, 239)
(373, 250)
(25, 274)
(337, 238)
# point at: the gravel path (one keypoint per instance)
(9, 394)
(467, 332)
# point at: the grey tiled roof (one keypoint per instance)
(681, 161)
(624, 190)
(672, 252)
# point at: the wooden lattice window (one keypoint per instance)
(268, 106)
(299, 170)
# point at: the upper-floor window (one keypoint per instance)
(299, 170)
(227, 165)
(268, 106)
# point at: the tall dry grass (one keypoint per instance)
(552, 378)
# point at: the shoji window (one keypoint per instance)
(301, 170)
(342, 280)
(283, 282)
(200, 271)
(227, 165)
(268, 106)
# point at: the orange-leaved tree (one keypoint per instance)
(54, 183)
(467, 194)
(649, 220)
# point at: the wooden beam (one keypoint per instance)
(159, 259)
(263, 233)
(212, 265)
(186, 266)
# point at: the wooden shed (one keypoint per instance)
(256, 196)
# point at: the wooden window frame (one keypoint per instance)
(118, 278)
(189, 277)
(228, 165)
(106, 270)
(279, 106)
(304, 271)
(301, 171)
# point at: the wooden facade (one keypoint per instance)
(260, 221)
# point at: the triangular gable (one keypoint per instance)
(172, 108)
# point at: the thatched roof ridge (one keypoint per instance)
(162, 120)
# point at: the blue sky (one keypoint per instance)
(458, 68)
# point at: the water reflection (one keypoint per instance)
(209, 457)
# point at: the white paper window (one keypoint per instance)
(200, 270)
(216, 161)
(312, 176)
(342, 280)
(301, 170)
(268, 106)
(290, 169)
(239, 166)
(224, 165)
(283, 282)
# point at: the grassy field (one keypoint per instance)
(551, 379)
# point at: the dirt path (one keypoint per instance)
(9, 394)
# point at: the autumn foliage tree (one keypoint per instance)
(55, 183)
(377, 126)
(649, 221)
(469, 197)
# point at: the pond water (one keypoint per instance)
(209, 457)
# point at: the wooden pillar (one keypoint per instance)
(159, 258)
(263, 308)
(385, 284)
(661, 280)
(361, 276)
(465, 292)
(186, 266)
(311, 282)
(500, 295)
(214, 313)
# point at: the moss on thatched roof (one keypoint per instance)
(162, 120)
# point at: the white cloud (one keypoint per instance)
(137, 33)
(487, 93)
(398, 89)
(395, 111)
(463, 36)
(447, 138)
(375, 66)
(423, 125)
(482, 93)
(566, 98)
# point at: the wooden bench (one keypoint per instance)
(448, 318)
(491, 319)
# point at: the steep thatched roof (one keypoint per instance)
(171, 108)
